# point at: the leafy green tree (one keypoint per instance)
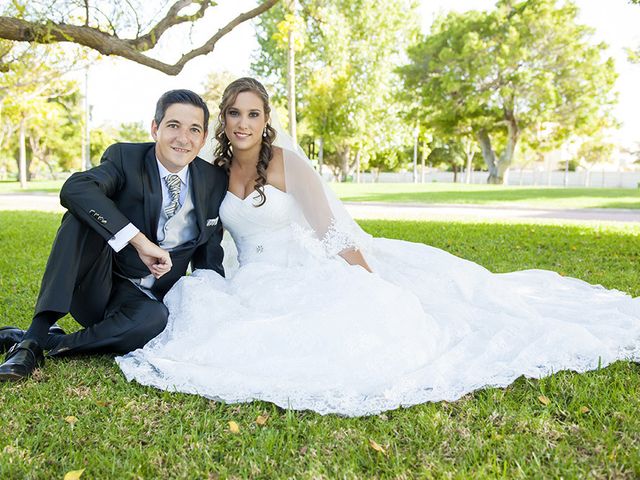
(454, 153)
(214, 86)
(134, 132)
(100, 139)
(633, 55)
(595, 150)
(345, 79)
(501, 73)
(39, 109)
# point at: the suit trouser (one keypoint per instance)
(78, 279)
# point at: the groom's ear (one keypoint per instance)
(154, 129)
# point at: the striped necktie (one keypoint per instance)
(173, 184)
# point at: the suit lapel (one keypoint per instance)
(199, 194)
(152, 194)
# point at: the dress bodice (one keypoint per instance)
(261, 233)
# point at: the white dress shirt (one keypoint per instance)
(121, 239)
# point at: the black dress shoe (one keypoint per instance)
(56, 330)
(21, 361)
(9, 336)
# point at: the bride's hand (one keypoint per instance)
(157, 260)
(355, 257)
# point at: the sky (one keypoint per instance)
(122, 91)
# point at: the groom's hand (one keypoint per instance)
(157, 260)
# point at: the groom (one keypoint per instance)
(134, 223)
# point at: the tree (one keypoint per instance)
(499, 74)
(104, 136)
(40, 109)
(106, 26)
(214, 86)
(593, 151)
(134, 132)
(345, 79)
(454, 152)
(100, 139)
(633, 55)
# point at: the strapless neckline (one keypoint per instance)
(250, 195)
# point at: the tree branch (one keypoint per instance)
(19, 30)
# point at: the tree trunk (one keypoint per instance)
(321, 156)
(455, 173)
(358, 166)
(422, 157)
(344, 154)
(488, 155)
(22, 163)
(499, 166)
(416, 135)
(513, 134)
(291, 78)
(86, 137)
(468, 152)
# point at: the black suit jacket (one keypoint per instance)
(126, 187)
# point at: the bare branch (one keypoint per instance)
(109, 44)
(171, 19)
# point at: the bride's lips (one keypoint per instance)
(242, 135)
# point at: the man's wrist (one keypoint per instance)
(123, 237)
(138, 240)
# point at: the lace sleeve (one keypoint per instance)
(323, 213)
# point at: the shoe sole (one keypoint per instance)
(11, 377)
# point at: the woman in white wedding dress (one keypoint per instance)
(320, 316)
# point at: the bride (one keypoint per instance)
(318, 315)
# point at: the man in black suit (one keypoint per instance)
(134, 223)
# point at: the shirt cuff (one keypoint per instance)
(120, 239)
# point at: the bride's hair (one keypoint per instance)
(223, 154)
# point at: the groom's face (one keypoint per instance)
(179, 136)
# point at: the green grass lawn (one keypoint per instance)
(38, 186)
(81, 413)
(489, 195)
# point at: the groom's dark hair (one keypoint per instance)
(180, 96)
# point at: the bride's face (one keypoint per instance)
(244, 122)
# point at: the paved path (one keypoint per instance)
(489, 212)
(370, 210)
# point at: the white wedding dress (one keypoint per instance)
(308, 331)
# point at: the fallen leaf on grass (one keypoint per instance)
(233, 427)
(377, 447)
(71, 420)
(584, 410)
(74, 474)
(262, 420)
(100, 403)
(544, 400)
(303, 450)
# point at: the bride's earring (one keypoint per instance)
(264, 132)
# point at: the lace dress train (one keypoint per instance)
(306, 331)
